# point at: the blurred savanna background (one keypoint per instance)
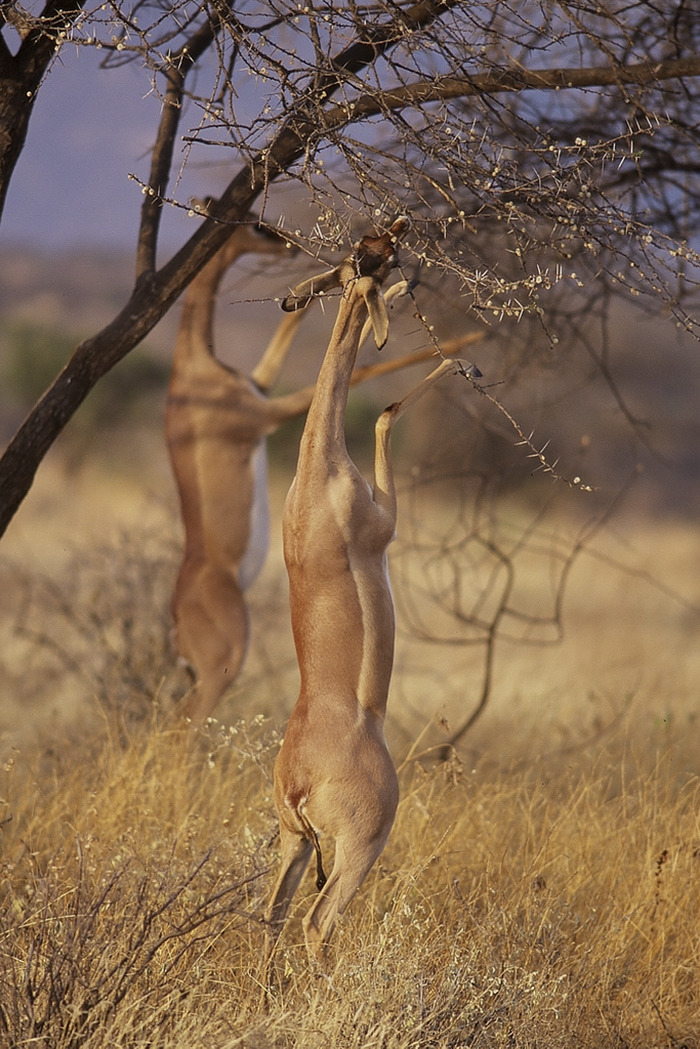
(540, 885)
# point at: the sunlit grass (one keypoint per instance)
(555, 905)
(539, 887)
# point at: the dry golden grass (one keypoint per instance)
(539, 890)
(548, 906)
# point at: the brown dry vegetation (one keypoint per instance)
(539, 887)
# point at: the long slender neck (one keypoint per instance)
(327, 411)
(195, 337)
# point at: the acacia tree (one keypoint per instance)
(533, 144)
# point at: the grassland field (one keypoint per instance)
(540, 886)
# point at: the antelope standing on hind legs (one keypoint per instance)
(217, 420)
(334, 773)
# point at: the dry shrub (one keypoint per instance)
(125, 875)
(97, 635)
(94, 641)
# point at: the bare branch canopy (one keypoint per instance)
(520, 139)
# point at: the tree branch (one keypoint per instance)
(20, 77)
(156, 290)
(376, 38)
(154, 294)
(444, 88)
(161, 159)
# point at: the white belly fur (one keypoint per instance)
(259, 539)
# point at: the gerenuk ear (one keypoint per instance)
(300, 297)
(376, 308)
(396, 291)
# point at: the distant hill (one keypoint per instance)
(78, 292)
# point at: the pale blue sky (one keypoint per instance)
(89, 129)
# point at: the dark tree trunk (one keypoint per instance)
(155, 291)
(21, 75)
(152, 297)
